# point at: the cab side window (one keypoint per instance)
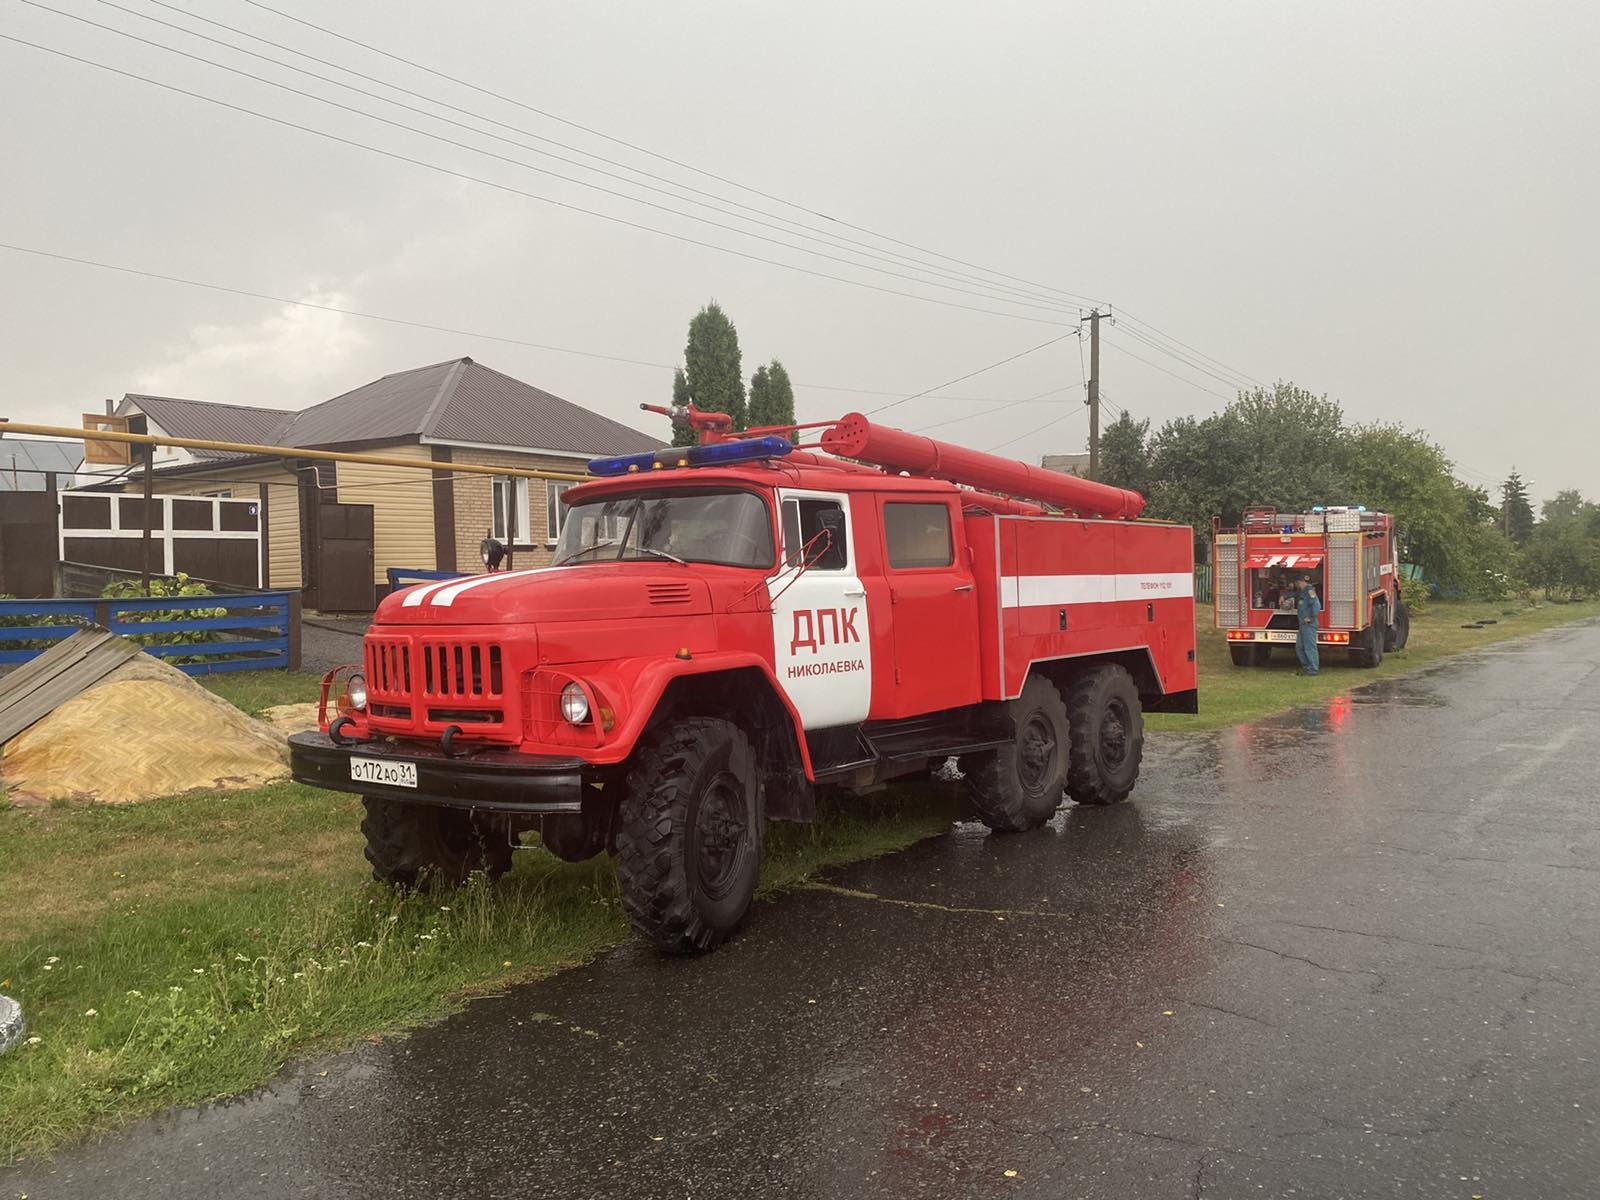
(814, 530)
(918, 535)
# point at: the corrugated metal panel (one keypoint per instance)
(492, 409)
(1371, 566)
(23, 463)
(36, 689)
(402, 500)
(394, 407)
(1343, 574)
(207, 421)
(1230, 600)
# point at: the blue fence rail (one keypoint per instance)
(255, 631)
(404, 577)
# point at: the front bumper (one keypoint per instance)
(495, 780)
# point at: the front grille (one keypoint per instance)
(388, 668)
(436, 681)
(455, 669)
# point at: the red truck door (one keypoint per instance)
(822, 643)
(933, 606)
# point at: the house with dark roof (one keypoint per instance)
(458, 411)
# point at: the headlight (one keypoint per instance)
(356, 689)
(574, 704)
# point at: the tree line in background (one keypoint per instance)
(1286, 447)
(713, 377)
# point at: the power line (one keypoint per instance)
(993, 411)
(519, 162)
(654, 154)
(616, 220)
(961, 378)
(832, 240)
(1188, 361)
(1030, 433)
(1164, 371)
(424, 325)
(1215, 361)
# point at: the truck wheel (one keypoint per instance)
(689, 835)
(407, 841)
(1370, 652)
(1400, 631)
(1018, 786)
(1107, 736)
(1253, 655)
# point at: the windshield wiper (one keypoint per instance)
(579, 553)
(662, 554)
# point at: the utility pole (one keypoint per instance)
(1093, 399)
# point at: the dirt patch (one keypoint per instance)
(291, 718)
(146, 730)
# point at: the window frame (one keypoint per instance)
(797, 499)
(554, 511)
(516, 488)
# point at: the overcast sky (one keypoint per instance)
(1392, 204)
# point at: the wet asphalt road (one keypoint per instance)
(1348, 952)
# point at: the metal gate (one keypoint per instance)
(343, 571)
(27, 544)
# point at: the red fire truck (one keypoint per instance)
(729, 626)
(1348, 554)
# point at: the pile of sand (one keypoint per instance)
(145, 730)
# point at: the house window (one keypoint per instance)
(553, 510)
(223, 494)
(510, 510)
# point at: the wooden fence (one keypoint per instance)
(200, 635)
(203, 536)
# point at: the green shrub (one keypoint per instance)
(1414, 595)
(178, 585)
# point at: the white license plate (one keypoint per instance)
(376, 770)
(1280, 635)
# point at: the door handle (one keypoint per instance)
(861, 592)
(963, 587)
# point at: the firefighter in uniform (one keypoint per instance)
(1307, 606)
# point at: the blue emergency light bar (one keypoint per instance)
(717, 454)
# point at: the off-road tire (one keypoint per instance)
(1107, 736)
(1400, 631)
(407, 842)
(689, 834)
(1018, 786)
(1254, 654)
(1370, 652)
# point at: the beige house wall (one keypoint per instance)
(402, 508)
(249, 482)
(474, 506)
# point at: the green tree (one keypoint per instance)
(1516, 513)
(712, 374)
(682, 434)
(1567, 505)
(771, 396)
(1124, 456)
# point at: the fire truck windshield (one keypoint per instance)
(730, 528)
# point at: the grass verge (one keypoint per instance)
(1230, 694)
(257, 691)
(174, 951)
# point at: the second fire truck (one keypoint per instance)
(1348, 554)
(728, 627)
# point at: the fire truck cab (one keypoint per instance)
(1347, 553)
(728, 627)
